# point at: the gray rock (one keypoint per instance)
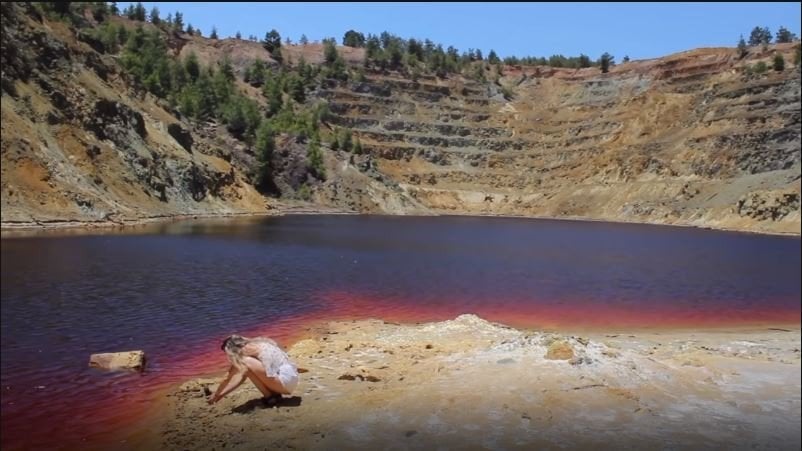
(768, 205)
(181, 135)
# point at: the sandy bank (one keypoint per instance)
(470, 384)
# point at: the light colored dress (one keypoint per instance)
(278, 365)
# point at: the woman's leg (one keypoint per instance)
(255, 367)
(257, 374)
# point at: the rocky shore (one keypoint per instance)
(10, 229)
(24, 228)
(471, 384)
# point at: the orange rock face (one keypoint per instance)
(560, 350)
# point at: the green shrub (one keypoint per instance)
(304, 193)
(778, 63)
(314, 158)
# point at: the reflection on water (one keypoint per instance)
(175, 289)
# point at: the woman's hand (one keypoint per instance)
(232, 381)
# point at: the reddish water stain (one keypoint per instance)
(177, 293)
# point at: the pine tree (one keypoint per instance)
(154, 16)
(394, 54)
(337, 70)
(271, 41)
(329, 51)
(296, 88)
(304, 71)
(766, 39)
(265, 146)
(234, 118)
(207, 101)
(360, 75)
(255, 74)
(178, 75)
(784, 36)
(190, 29)
(272, 91)
(605, 62)
(238, 35)
(372, 48)
(227, 69)
(122, 35)
(213, 34)
(304, 40)
(756, 36)
(253, 117)
(178, 22)
(346, 140)
(314, 158)
(626, 59)
(353, 38)
(760, 36)
(492, 58)
(139, 12)
(99, 11)
(192, 66)
(277, 55)
(742, 49)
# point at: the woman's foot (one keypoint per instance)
(272, 400)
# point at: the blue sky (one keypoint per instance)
(643, 30)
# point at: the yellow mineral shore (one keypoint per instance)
(471, 384)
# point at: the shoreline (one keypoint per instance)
(10, 229)
(319, 328)
(658, 224)
(366, 379)
(147, 428)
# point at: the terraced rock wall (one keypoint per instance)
(689, 139)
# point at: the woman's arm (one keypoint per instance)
(233, 380)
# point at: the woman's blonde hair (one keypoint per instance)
(233, 345)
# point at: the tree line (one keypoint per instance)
(762, 36)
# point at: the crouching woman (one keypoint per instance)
(260, 360)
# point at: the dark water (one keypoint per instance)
(176, 290)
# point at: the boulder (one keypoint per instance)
(115, 121)
(560, 350)
(181, 135)
(128, 360)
